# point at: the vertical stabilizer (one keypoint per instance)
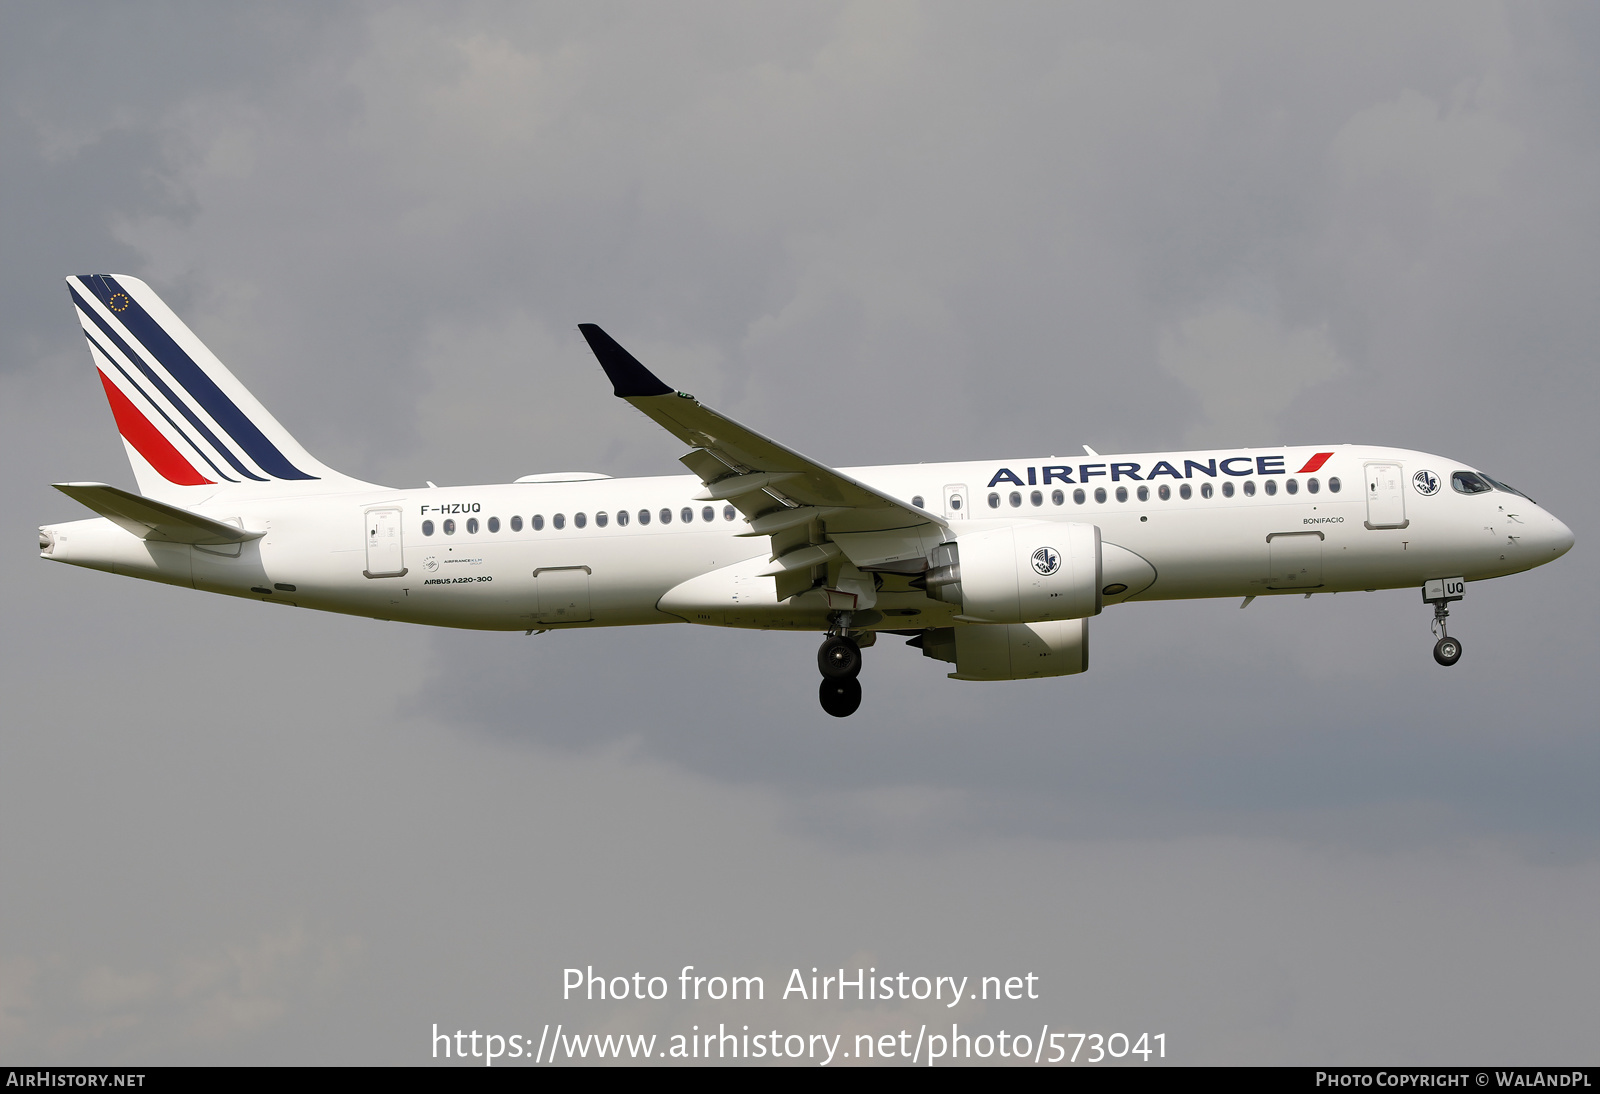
(191, 428)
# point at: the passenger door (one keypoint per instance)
(385, 551)
(1386, 496)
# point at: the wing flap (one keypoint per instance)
(154, 520)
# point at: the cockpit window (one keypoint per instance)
(1465, 482)
(1498, 485)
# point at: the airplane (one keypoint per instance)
(993, 566)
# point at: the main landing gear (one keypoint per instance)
(839, 660)
(1439, 593)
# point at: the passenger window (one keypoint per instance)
(666, 516)
(1271, 487)
(1036, 498)
(708, 514)
(1016, 499)
(1333, 485)
(494, 524)
(622, 518)
(955, 502)
(1250, 488)
(516, 524)
(1227, 489)
(687, 515)
(727, 512)
(449, 527)
(579, 520)
(427, 527)
(994, 501)
(1122, 493)
(1465, 482)
(1078, 497)
(1312, 486)
(1185, 492)
(472, 526)
(537, 521)
(644, 516)
(1057, 498)
(916, 499)
(1293, 486)
(1205, 490)
(1164, 492)
(601, 520)
(1144, 493)
(559, 520)
(1100, 494)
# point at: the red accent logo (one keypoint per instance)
(1314, 463)
(148, 441)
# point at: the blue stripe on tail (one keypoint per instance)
(176, 428)
(194, 380)
(161, 386)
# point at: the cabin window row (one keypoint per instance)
(602, 519)
(1164, 492)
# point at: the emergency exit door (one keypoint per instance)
(955, 501)
(385, 551)
(1386, 497)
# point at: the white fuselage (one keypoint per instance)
(561, 557)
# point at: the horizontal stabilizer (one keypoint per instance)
(151, 519)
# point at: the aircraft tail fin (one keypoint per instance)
(191, 428)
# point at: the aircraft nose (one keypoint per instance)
(1559, 538)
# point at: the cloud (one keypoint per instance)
(1244, 371)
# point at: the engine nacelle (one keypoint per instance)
(1026, 572)
(1015, 651)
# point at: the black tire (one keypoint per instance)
(1447, 651)
(839, 658)
(840, 697)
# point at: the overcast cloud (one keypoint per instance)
(883, 233)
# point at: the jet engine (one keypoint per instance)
(1027, 572)
(1011, 651)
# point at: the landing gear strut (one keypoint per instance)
(1439, 593)
(839, 660)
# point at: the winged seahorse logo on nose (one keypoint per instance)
(1426, 482)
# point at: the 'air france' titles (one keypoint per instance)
(1237, 466)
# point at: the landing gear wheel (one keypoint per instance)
(840, 659)
(1447, 651)
(840, 697)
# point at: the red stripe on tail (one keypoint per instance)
(1314, 463)
(149, 441)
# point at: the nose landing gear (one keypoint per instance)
(1440, 592)
(839, 660)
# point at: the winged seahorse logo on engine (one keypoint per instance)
(1046, 561)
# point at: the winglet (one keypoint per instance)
(628, 377)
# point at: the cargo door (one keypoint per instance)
(385, 552)
(1386, 497)
(563, 594)
(1296, 560)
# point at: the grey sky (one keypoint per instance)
(883, 233)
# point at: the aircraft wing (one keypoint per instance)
(812, 512)
(151, 519)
